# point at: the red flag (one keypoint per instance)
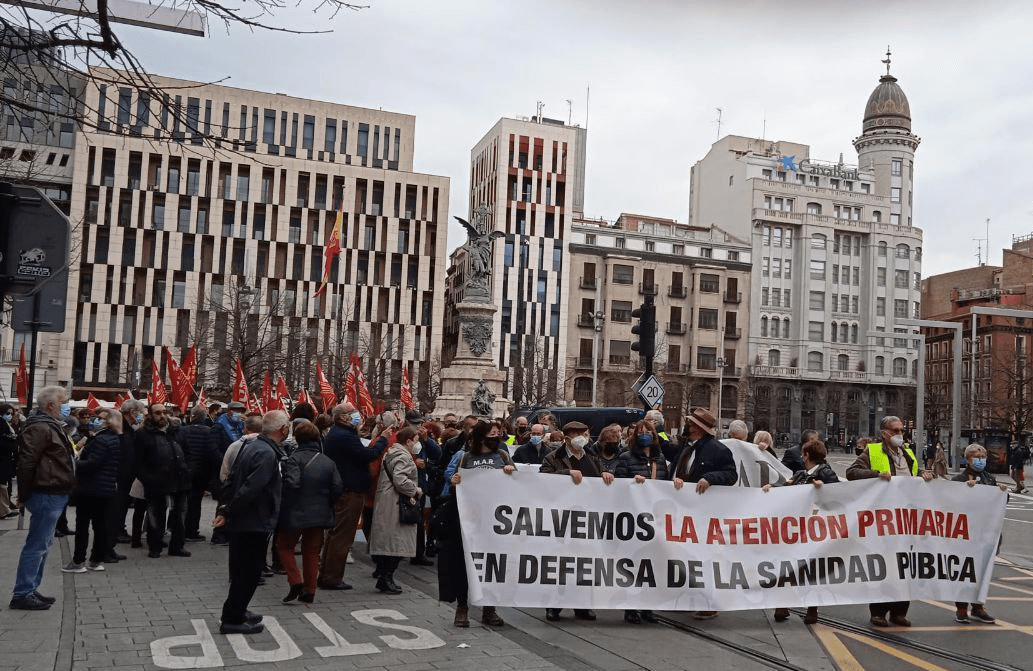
(182, 390)
(326, 390)
(119, 400)
(303, 396)
(332, 249)
(253, 405)
(189, 366)
(364, 398)
(268, 397)
(406, 390)
(240, 392)
(158, 393)
(92, 404)
(22, 379)
(349, 383)
(282, 393)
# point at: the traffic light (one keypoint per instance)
(645, 329)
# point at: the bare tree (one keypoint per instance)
(533, 375)
(1010, 401)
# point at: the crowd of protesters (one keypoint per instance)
(312, 480)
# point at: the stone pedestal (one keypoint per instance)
(472, 364)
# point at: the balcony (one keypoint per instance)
(618, 360)
(733, 333)
(648, 289)
(732, 371)
(677, 292)
(587, 283)
(676, 328)
(587, 321)
(676, 367)
(851, 375)
(775, 371)
(584, 361)
(733, 297)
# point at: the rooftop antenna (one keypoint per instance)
(979, 245)
(764, 125)
(588, 90)
(541, 106)
(887, 61)
(570, 112)
(719, 110)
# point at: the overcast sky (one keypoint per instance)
(656, 71)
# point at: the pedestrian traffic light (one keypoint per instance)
(645, 329)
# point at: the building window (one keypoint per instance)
(710, 284)
(765, 235)
(817, 270)
(880, 277)
(765, 267)
(880, 365)
(895, 219)
(834, 331)
(774, 357)
(763, 327)
(818, 241)
(623, 274)
(776, 296)
(815, 362)
(918, 282)
(707, 318)
(732, 255)
(619, 242)
(895, 166)
(853, 334)
(706, 358)
(706, 253)
(813, 208)
(817, 301)
(900, 309)
(764, 296)
(816, 331)
(785, 328)
(900, 279)
(785, 299)
(843, 362)
(899, 367)
(620, 352)
(776, 267)
(620, 311)
(679, 250)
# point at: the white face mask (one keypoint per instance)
(897, 440)
(417, 448)
(579, 442)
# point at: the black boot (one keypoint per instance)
(294, 593)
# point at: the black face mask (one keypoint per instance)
(491, 443)
(609, 448)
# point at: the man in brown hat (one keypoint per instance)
(705, 461)
(573, 460)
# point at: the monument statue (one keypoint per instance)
(483, 400)
(477, 286)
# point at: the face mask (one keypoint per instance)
(897, 440)
(645, 439)
(492, 442)
(356, 419)
(95, 424)
(8, 417)
(536, 440)
(555, 445)
(579, 442)
(66, 409)
(609, 448)
(978, 464)
(139, 418)
(417, 448)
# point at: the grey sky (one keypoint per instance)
(657, 71)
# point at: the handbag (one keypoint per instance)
(408, 511)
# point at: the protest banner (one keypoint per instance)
(539, 540)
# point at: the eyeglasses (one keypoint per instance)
(894, 431)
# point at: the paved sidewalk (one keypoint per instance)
(163, 613)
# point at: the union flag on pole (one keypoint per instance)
(92, 404)
(332, 249)
(189, 366)
(182, 390)
(268, 397)
(158, 393)
(303, 396)
(326, 390)
(22, 379)
(240, 392)
(282, 393)
(406, 390)
(365, 399)
(349, 383)
(119, 400)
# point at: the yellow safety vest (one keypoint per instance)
(510, 440)
(663, 436)
(881, 461)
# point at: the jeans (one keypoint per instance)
(157, 508)
(246, 561)
(45, 509)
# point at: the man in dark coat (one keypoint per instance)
(343, 446)
(572, 459)
(792, 458)
(535, 449)
(704, 461)
(162, 468)
(250, 516)
(201, 454)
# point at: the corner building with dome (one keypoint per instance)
(837, 264)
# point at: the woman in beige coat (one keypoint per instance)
(390, 539)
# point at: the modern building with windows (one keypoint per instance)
(698, 279)
(837, 263)
(202, 212)
(529, 174)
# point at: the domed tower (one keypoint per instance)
(887, 146)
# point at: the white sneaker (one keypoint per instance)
(350, 559)
(72, 567)
(95, 566)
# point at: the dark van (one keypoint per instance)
(595, 418)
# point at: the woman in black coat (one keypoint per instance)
(311, 484)
(643, 461)
(97, 482)
(817, 472)
(8, 458)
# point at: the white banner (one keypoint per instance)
(539, 540)
(756, 467)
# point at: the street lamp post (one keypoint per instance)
(598, 325)
(720, 388)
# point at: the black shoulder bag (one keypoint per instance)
(408, 511)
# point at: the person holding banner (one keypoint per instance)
(816, 472)
(644, 461)
(885, 460)
(763, 440)
(975, 474)
(705, 461)
(572, 459)
(483, 450)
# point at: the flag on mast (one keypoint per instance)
(158, 393)
(22, 379)
(240, 392)
(407, 390)
(326, 390)
(332, 249)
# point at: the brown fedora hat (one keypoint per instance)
(704, 419)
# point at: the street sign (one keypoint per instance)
(50, 317)
(652, 392)
(34, 241)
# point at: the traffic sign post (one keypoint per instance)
(651, 392)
